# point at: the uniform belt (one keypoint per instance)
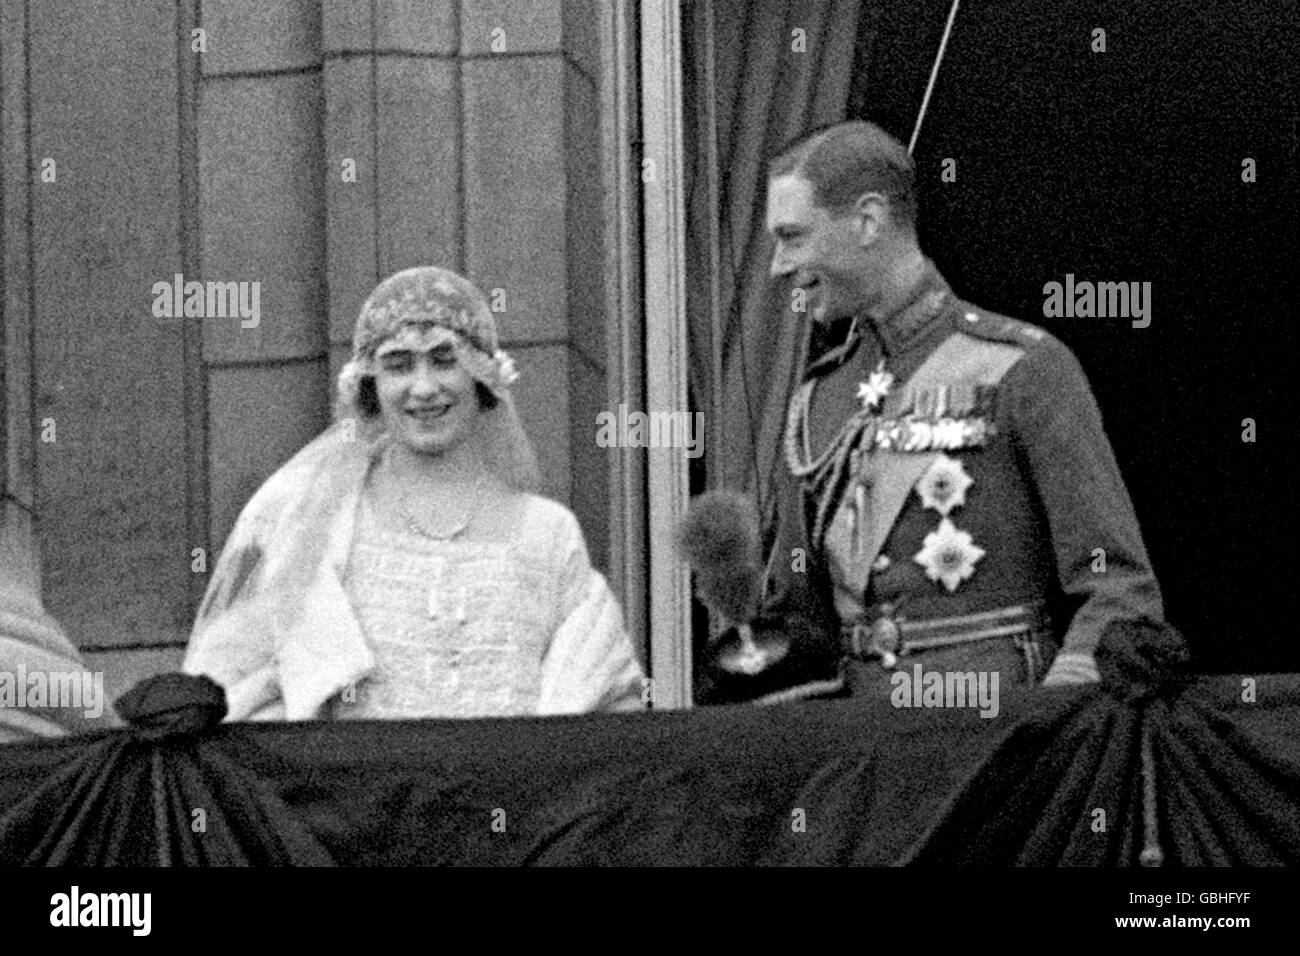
(891, 636)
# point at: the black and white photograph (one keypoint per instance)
(649, 433)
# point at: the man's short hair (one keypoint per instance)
(845, 160)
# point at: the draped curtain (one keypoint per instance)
(1190, 774)
(757, 74)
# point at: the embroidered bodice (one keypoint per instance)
(458, 628)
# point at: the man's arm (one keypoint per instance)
(1058, 430)
(796, 606)
(797, 592)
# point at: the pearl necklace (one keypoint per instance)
(457, 530)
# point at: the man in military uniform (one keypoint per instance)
(948, 496)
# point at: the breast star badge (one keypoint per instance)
(949, 555)
(873, 391)
(943, 486)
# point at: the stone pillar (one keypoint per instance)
(31, 642)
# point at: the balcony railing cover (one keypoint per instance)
(1205, 772)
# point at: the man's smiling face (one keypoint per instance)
(820, 252)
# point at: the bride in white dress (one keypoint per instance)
(401, 565)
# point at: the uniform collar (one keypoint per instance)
(832, 345)
(923, 307)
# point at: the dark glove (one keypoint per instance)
(1141, 659)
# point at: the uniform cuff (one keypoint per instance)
(1072, 667)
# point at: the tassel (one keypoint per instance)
(1152, 854)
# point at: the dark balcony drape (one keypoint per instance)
(849, 782)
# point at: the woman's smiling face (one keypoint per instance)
(428, 400)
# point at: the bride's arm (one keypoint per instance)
(231, 639)
(590, 663)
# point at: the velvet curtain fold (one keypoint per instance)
(1056, 778)
(780, 67)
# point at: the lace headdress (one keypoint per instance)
(429, 297)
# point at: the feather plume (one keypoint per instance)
(719, 539)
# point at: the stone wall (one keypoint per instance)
(309, 147)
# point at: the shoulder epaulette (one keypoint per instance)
(997, 328)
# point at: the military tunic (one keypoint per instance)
(953, 477)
